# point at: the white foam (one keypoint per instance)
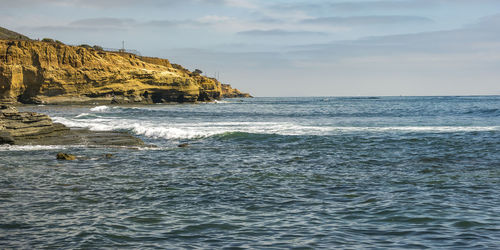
(191, 130)
(83, 115)
(29, 147)
(99, 109)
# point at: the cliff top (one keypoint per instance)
(9, 34)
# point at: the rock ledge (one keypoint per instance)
(29, 128)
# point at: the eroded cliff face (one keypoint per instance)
(229, 92)
(52, 73)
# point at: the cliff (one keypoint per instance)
(229, 92)
(54, 73)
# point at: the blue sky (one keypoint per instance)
(296, 47)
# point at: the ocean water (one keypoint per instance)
(273, 173)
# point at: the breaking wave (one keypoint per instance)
(165, 130)
(99, 109)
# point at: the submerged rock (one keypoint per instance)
(108, 156)
(6, 138)
(183, 145)
(66, 157)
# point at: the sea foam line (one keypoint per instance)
(32, 147)
(167, 130)
(99, 108)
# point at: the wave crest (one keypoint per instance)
(166, 130)
(99, 108)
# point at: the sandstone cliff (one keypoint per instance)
(229, 92)
(54, 73)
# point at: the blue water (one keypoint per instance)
(277, 173)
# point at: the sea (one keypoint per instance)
(263, 173)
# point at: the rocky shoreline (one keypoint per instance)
(30, 128)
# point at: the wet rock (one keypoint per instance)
(6, 138)
(108, 156)
(183, 145)
(66, 157)
(28, 128)
(7, 109)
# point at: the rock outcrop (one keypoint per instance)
(65, 157)
(53, 73)
(25, 126)
(29, 128)
(229, 92)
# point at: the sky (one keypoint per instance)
(292, 47)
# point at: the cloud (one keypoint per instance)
(357, 6)
(241, 4)
(380, 5)
(377, 5)
(164, 23)
(198, 22)
(109, 22)
(213, 19)
(487, 22)
(279, 32)
(104, 22)
(470, 45)
(124, 3)
(367, 20)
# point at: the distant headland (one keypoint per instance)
(50, 72)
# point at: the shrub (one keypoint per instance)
(197, 72)
(97, 47)
(48, 40)
(59, 42)
(86, 46)
(177, 66)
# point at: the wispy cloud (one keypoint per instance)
(367, 20)
(479, 38)
(104, 22)
(279, 32)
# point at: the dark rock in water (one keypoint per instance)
(93, 138)
(108, 156)
(6, 138)
(183, 145)
(29, 128)
(6, 108)
(66, 157)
